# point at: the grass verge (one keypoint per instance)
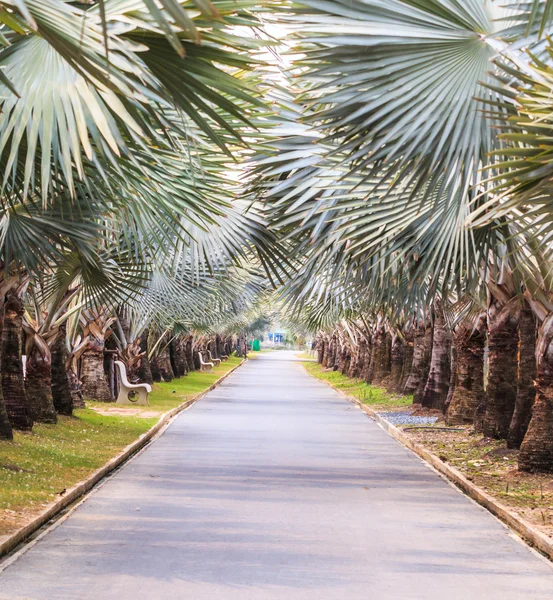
(376, 397)
(37, 467)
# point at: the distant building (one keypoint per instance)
(276, 337)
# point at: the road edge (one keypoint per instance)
(83, 487)
(520, 526)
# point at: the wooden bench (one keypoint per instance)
(217, 361)
(129, 391)
(205, 364)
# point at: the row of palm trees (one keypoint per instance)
(412, 177)
(122, 232)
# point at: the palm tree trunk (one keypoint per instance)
(320, 350)
(61, 391)
(393, 381)
(452, 376)
(177, 360)
(468, 394)
(94, 382)
(382, 356)
(6, 432)
(164, 364)
(408, 352)
(422, 351)
(155, 370)
(38, 384)
(526, 391)
(437, 385)
(13, 386)
(501, 390)
(536, 450)
(368, 369)
(189, 352)
(144, 371)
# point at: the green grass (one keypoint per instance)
(37, 466)
(368, 394)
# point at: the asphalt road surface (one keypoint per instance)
(274, 487)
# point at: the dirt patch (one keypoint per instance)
(490, 465)
(126, 412)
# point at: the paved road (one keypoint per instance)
(274, 487)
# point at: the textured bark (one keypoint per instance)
(330, 362)
(94, 382)
(197, 363)
(164, 364)
(501, 390)
(416, 382)
(320, 350)
(38, 385)
(220, 344)
(408, 352)
(61, 391)
(76, 388)
(393, 381)
(13, 386)
(345, 360)
(177, 358)
(6, 432)
(526, 391)
(361, 359)
(189, 353)
(155, 370)
(469, 380)
(241, 346)
(437, 385)
(536, 451)
(382, 356)
(144, 371)
(355, 357)
(452, 376)
(368, 363)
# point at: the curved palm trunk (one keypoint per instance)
(94, 382)
(38, 385)
(526, 391)
(469, 379)
(13, 386)
(501, 390)
(437, 385)
(422, 349)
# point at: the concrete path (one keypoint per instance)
(274, 487)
